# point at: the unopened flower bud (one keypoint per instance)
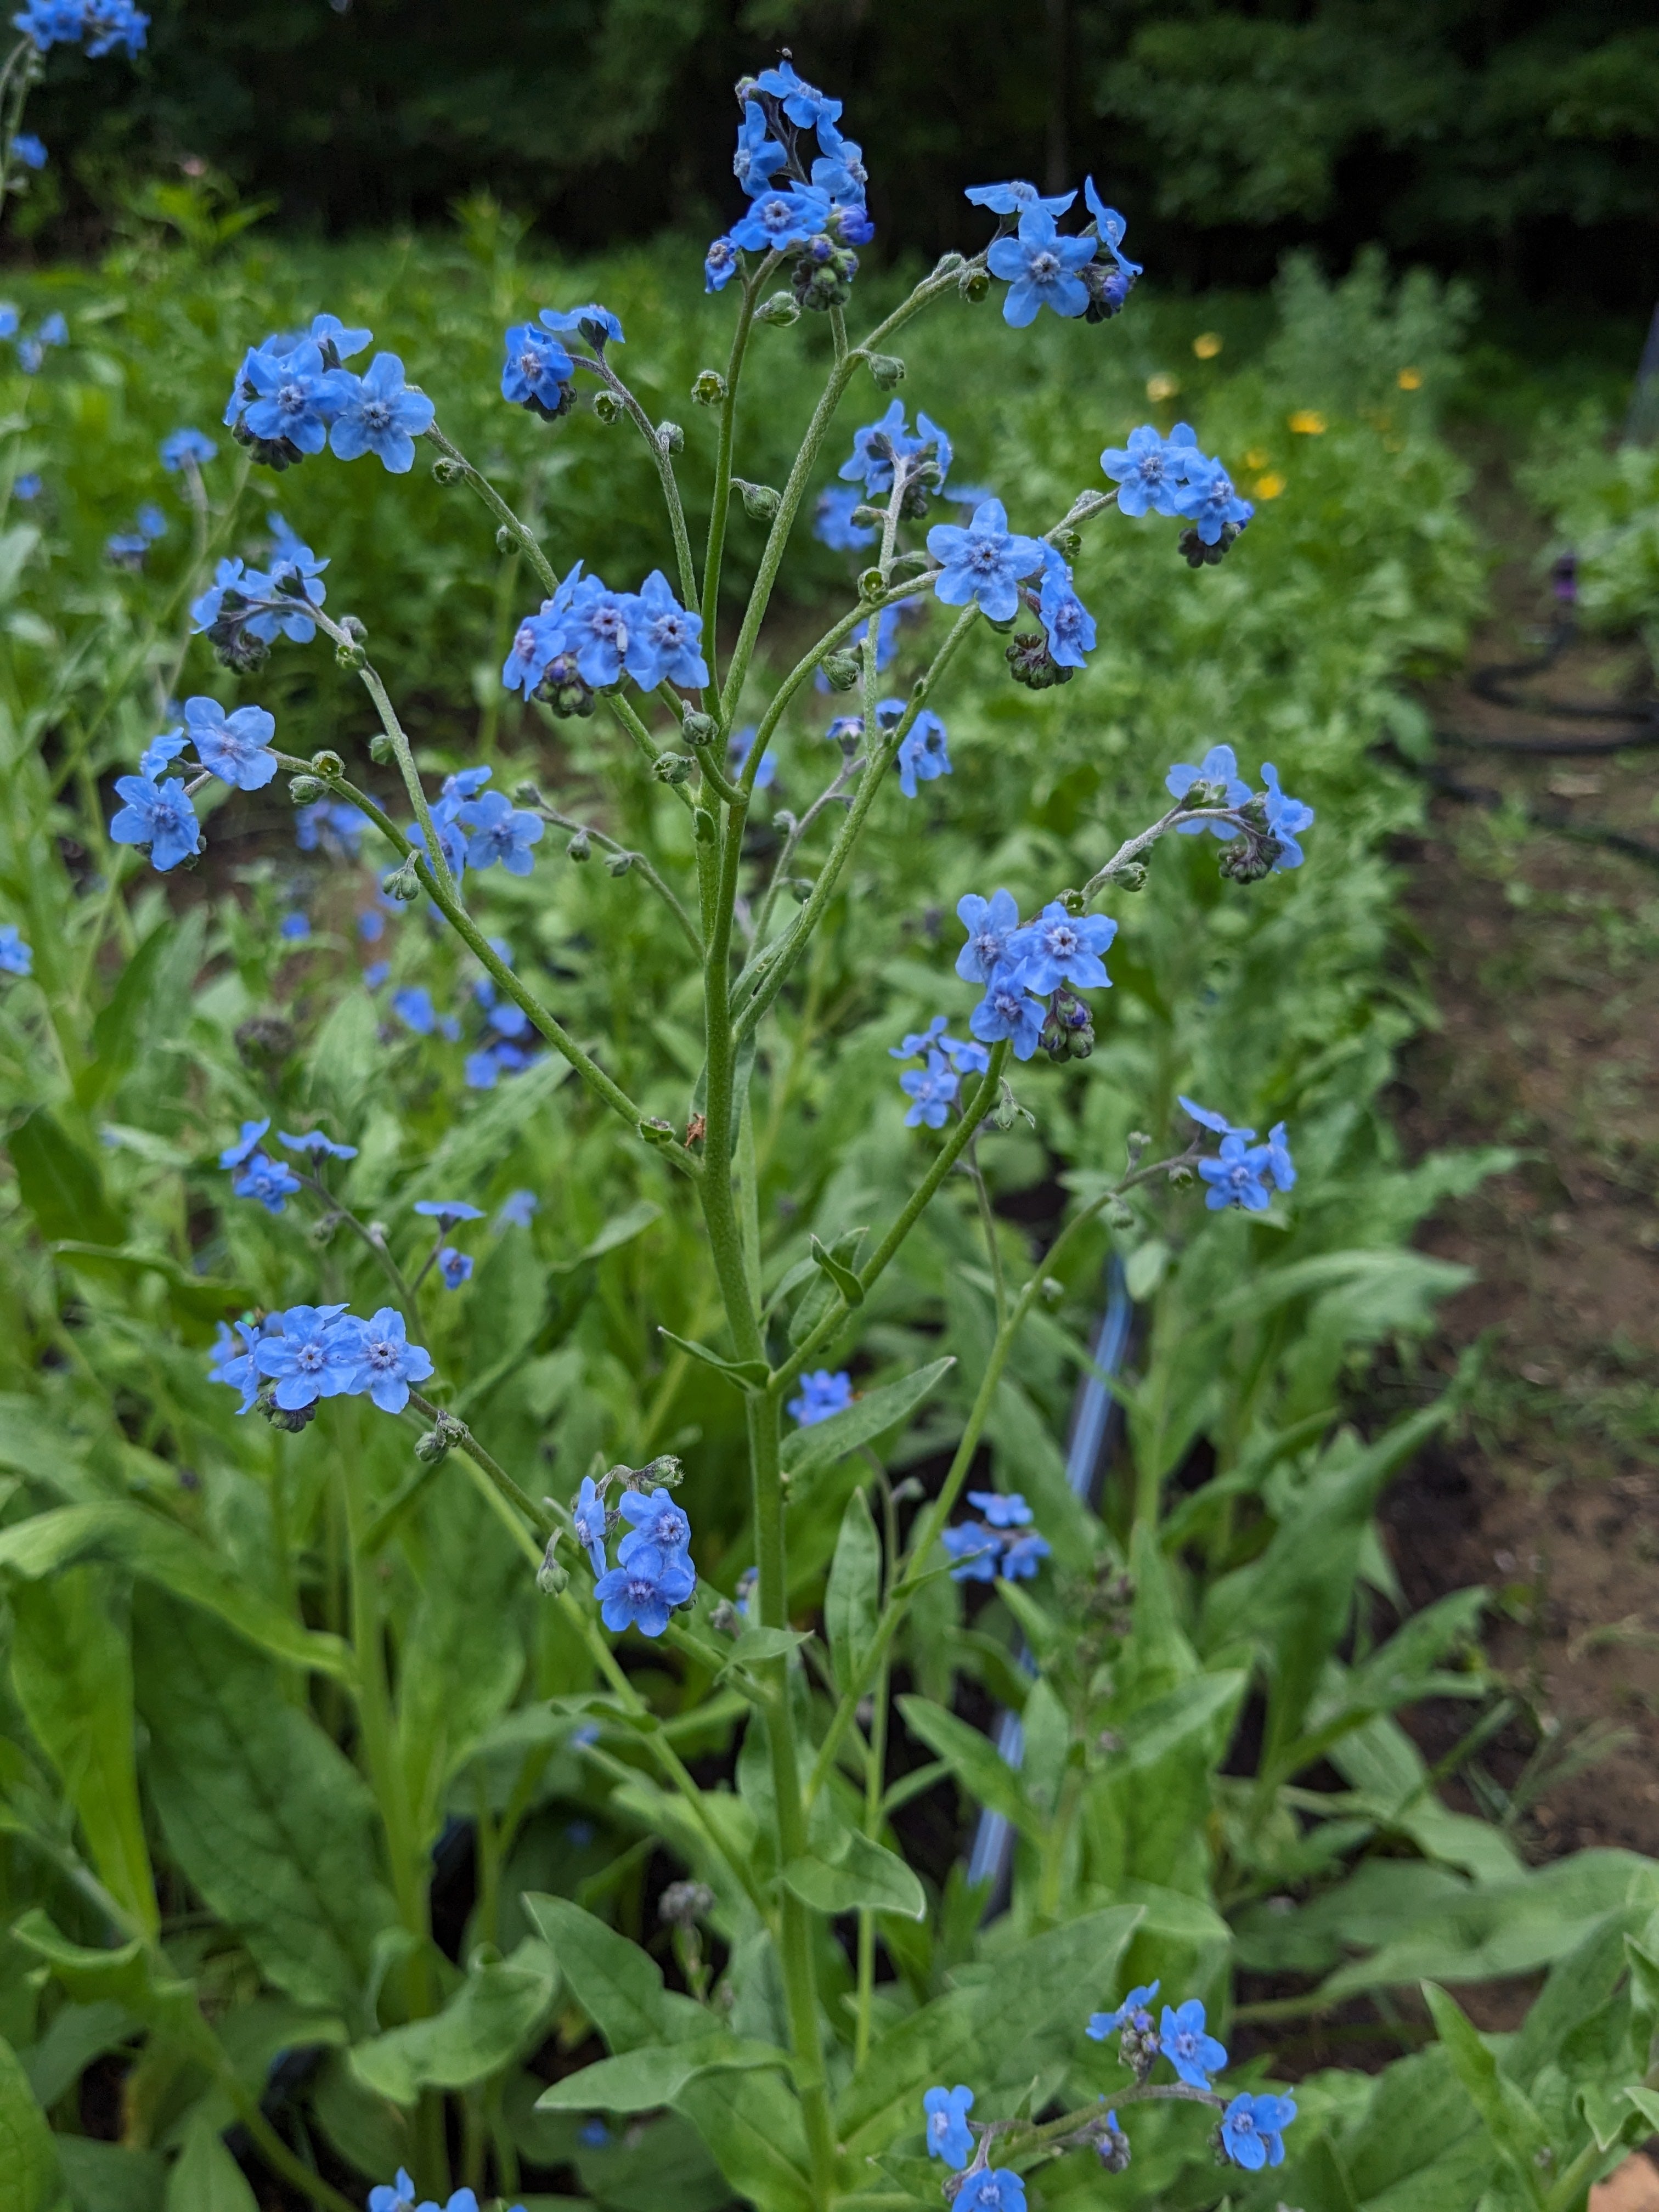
(1074, 902)
(780, 310)
(707, 388)
(1132, 876)
(619, 863)
(290, 1419)
(1118, 1215)
(699, 729)
(526, 794)
(306, 790)
(1181, 1174)
(1030, 663)
(656, 1131)
(350, 654)
(724, 1619)
(674, 768)
(353, 628)
(682, 1904)
(947, 265)
(579, 848)
(439, 1441)
(327, 763)
(800, 888)
(871, 584)
(381, 749)
(402, 883)
(973, 283)
(552, 1579)
(607, 406)
(671, 439)
(841, 669)
(760, 502)
(446, 471)
(886, 370)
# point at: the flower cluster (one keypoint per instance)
(1169, 476)
(1243, 1174)
(32, 346)
(99, 26)
(399, 2195)
(16, 955)
(1251, 2131)
(653, 1572)
(244, 610)
(1002, 1543)
(504, 1045)
(935, 1089)
(476, 828)
(293, 396)
(587, 638)
(1267, 838)
(539, 372)
(1084, 274)
(158, 816)
(271, 1181)
(822, 1393)
(127, 548)
(286, 1363)
(1032, 974)
(818, 216)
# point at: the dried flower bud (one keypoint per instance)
(707, 388)
(446, 471)
(607, 406)
(671, 439)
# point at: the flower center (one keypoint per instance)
(377, 414)
(1062, 942)
(983, 555)
(382, 1353)
(309, 1357)
(291, 398)
(1045, 267)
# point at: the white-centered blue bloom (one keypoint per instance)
(1186, 2042)
(719, 264)
(822, 1393)
(655, 1521)
(644, 1593)
(1015, 197)
(186, 445)
(537, 371)
(664, 638)
(316, 1355)
(985, 562)
(932, 1091)
(236, 746)
(1132, 2012)
(1008, 1010)
(377, 413)
(993, 2189)
(386, 1362)
(758, 154)
(1150, 470)
(1070, 626)
(158, 815)
(1219, 766)
(924, 755)
(1040, 267)
(1208, 500)
(1059, 947)
(780, 219)
(991, 924)
(1253, 2129)
(271, 1183)
(495, 830)
(948, 2133)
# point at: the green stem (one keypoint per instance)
(276, 2154)
(498, 507)
(665, 467)
(714, 551)
(641, 865)
(988, 1222)
(649, 749)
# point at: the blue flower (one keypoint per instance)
(28, 486)
(152, 523)
(8, 319)
(336, 827)
(518, 1209)
(780, 219)
(379, 414)
(975, 1550)
(267, 1180)
(876, 445)
(320, 1145)
(1070, 625)
(103, 24)
(599, 631)
(923, 754)
(1015, 197)
(454, 1267)
(719, 264)
(1218, 765)
(1007, 1010)
(1002, 1512)
(739, 747)
(1253, 2129)
(1281, 1169)
(839, 169)
(376, 973)
(1062, 948)
(159, 751)
(1022, 1555)
(412, 1005)
(387, 1363)
(451, 836)
(822, 1393)
(398, 2197)
(236, 746)
(537, 640)
(1287, 819)
(917, 1043)
(597, 324)
(662, 638)
(1039, 269)
(495, 832)
(447, 1210)
(245, 1145)
(593, 2134)
(993, 2189)
(645, 1592)
(337, 344)
(509, 1018)
(984, 561)
(948, 2136)
(587, 1512)
(294, 396)
(293, 583)
(158, 815)
(803, 103)
(1211, 1119)
(235, 1362)
(757, 154)
(932, 1091)
(315, 1356)
(16, 958)
(30, 150)
(293, 928)
(1183, 2039)
(1150, 471)
(1236, 1178)
(1111, 227)
(1132, 2012)
(832, 521)
(537, 371)
(967, 1058)
(990, 923)
(1208, 500)
(182, 446)
(655, 1522)
(127, 548)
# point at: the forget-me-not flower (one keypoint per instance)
(985, 562)
(991, 924)
(923, 755)
(596, 324)
(394, 2197)
(17, 956)
(315, 1356)
(822, 1393)
(1059, 947)
(1111, 225)
(1186, 2042)
(495, 830)
(295, 397)
(1040, 268)
(948, 2136)
(158, 815)
(803, 103)
(1132, 2012)
(655, 1522)
(1015, 197)
(320, 1145)
(779, 219)
(1219, 766)
(1070, 625)
(1150, 471)
(379, 414)
(587, 1513)
(536, 369)
(757, 153)
(1002, 1510)
(973, 1549)
(664, 639)
(387, 1363)
(719, 264)
(186, 445)
(1287, 818)
(643, 1593)
(832, 520)
(932, 1091)
(1237, 1177)
(993, 2189)
(518, 1209)
(455, 1268)
(1253, 2129)
(236, 746)
(270, 1181)
(1208, 500)
(234, 1361)
(1007, 1010)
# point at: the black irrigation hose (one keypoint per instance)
(1555, 819)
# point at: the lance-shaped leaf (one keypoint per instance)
(810, 1451)
(974, 1760)
(494, 2016)
(851, 1601)
(131, 1976)
(28, 2163)
(615, 1982)
(866, 1879)
(742, 1374)
(642, 2081)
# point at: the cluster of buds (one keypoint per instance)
(1031, 662)
(1068, 1029)
(1248, 858)
(561, 687)
(1193, 549)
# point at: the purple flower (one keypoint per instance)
(1059, 947)
(379, 414)
(985, 562)
(948, 2133)
(317, 1355)
(990, 924)
(1007, 1010)
(645, 1592)
(1040, 268)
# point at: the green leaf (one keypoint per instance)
(200, 1297)
(103, 2177)
(742, 1374)
(844, 1278)
(759, 1644)
(1510, 2119)
(494, 2016)
(810, 1451)
(205, 2178)
(73, 1674)
(134, 1537)
(1646, 2102)
(128, 1975)
(642, 2081)
(974, 1760)
(851, 1601)
(269, 1820)
(28, 2163)
(122, 1021)
(868, 1878)
(615, 1982)
(78, 2034)
(61, 1183)
(819, 1298)
(751, 2125)
(621, 1229)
